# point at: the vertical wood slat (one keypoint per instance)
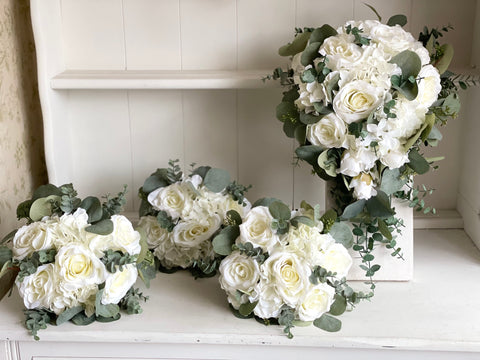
(314, 13)
(93, 34)
(208, 34)
(386, 9)
(100, 140)
(265, 154)
(156, 131)
(152, 34)
(263, 26)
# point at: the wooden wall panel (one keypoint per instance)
(313, 13)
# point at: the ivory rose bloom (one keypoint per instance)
(257, 229)
(77, 266)
(39, 289)
(330, 132)
(118, 283)
(192, 232)
(155, 234)
(356, 100)
(337, 259)
(340, 51)
(429, 85)
(31, 238)
(317, 301)
(269, 302)
(174, 199)
(239, 272)
(289, 274)
(124, 237)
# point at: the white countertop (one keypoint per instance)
(438, 310)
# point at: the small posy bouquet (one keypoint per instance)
(286, 268)
(76, 259)
(180, 215)
(361, 101)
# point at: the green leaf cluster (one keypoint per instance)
(147, 268)
(249, 250)
(286, 319)
(281, 215)
(223, 242)
(131, 302)
(357, 33)
(165, 220)
(410, 64)
(37, 319)
(29, 265)
(237, 191)
(205, 268)
(116, 260)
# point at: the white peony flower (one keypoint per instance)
(155, 234)
(172, 255)
(393, 38)
(317, 301)
(337, 259)
(269, 302)
(193, 232)
(124, 236)
(39, 289)
(289, 274)
(71, 228)
(174, 199)
(340, 51)
(330, 132)
(37, 236)
(392, 153)
(77, 266)
(239, 272)
(429, 86)
(357, 159)
(363, 186)
(307, 243)
(118, 283)
(257, 229)
(356, 100)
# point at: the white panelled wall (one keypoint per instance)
(103, 138)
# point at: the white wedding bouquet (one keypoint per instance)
(76, 260)
(285, 267)
(180, 215)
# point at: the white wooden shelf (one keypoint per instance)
(130, 79)
(436, 312)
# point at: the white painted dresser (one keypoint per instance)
(126, 85)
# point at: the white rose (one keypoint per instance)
(257, 229)
(289, 274)
(39, 289)
(330, 132)
(239, 272)
(393, 38)
(269, 302)
(156, 235)
(363, 186)
(86, 296)
(357, 160)
(337, 259)
(429, 86)
(317, 301)
(124, 236)
(356, 100)
(191, 233)
(340, 51)
(78, 266)
(37, 236)
(172, 199)
(118, 283)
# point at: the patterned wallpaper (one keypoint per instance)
(22, 164)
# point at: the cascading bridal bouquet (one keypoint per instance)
(361, 101)
(285, 267)
(77, 260)
(180, 215)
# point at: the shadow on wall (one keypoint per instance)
(28, 92)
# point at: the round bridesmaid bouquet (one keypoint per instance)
(77, 260)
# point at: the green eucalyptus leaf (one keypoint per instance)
(104, 319)
(8, 274)
(310, 53)
(301, 134)
(397, 20)
(322, 33)
(309, 153)
(429, 119)
(427, 126)
(409, 62)
(201, 171)
(105, 311)
(383, 228)
(443, 63)
(155, 181)
(308, 119)
(216, 180)
(289, 128)
(23, 209)
(279, 211)
(5, 255)
(286, 111)
(417, 162)
(339, 305)
(379, 205)
(451, 105)
(374, 10)
(353, 209)
(81, 319)
(45, 191)
(233, 217)
(320, 108)
(246, 309)
(392, 181)
(93, 207)
(342, 234)
(430, 46)
(42, 207)
(328, 323)
(222, 243)
(103, 227)
(297, 220)
(296, 46)
(265, 202)
(325, 164)
(68, 314)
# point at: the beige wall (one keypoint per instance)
(22, 165)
